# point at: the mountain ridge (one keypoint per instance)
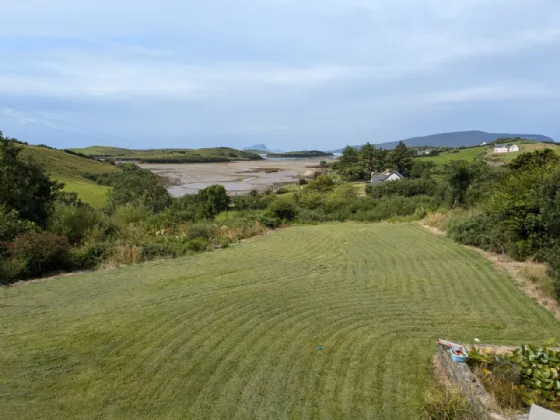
(457, 139)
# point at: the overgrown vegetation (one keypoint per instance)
(526, 376)
(520, 215)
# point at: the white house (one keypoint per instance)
(378, 178)
(506, 148)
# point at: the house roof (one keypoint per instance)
(499, 146)
(379, 178)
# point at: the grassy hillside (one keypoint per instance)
(68, 168)
(102, 151)
(463, 154)
(486, 152)
(235, 334)
(523, 148)
(214, 154)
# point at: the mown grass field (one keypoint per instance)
(462, 154)
(487, 153)
(68, 168)
(234, 334)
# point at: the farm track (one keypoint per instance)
(234, 334)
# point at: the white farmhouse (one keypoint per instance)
(506, 148)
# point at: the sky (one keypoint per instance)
(292, 74)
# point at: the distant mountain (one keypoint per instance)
(261, 147)
(458, 139)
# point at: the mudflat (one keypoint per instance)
(236, 177)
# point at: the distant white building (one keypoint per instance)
(387, 176)
(506, 148)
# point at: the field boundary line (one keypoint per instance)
(513, 269)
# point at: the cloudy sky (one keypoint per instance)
(289, 73)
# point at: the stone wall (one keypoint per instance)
(470, 387)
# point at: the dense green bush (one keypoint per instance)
(201, 230)
(11, 225)
(40, 253)
(404, 188)
(90, 257)
(283, 210)
(323, 183)
(198, 245)
(270, 220)
(74, 221)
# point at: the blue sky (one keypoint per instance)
(288, 73)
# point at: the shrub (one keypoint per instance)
(405, 188)
(10, 270)
(126, 254)
(553, 260)
(446, 404)
(201, 230)
(270, 220)
(198, 245)
(73, 221)
(322, 183)
(152, 251)
(283, 210)
(130, 214)
(11, 225)
(89, 257)
(41, 253)
(475, 231)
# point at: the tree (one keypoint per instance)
(323, 183)
(212, 201)
(459, 178)
(138, 186)
(368, 157)
(24, 185)
(349, 156)
(535, 159)
(422, 169)
(401, 159)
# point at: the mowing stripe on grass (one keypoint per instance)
(235, 334)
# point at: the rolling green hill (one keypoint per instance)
(486, 153)
(69, 168)
(235, 333)
(215, 154)
(457, 154)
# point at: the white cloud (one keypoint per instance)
(508, 90)
(260, 66)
